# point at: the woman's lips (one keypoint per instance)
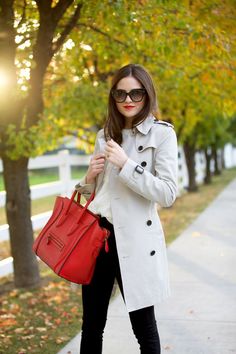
(128, 107)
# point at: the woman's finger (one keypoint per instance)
(99, 156)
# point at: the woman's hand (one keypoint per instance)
(96, 166)
(115, 154)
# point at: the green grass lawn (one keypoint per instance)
(43, 320)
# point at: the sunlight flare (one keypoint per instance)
(4, 79)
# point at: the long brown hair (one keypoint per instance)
(115, 121)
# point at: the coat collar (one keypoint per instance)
(146, 125)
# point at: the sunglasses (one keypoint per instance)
(136, 95)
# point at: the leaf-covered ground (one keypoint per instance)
(39, 320)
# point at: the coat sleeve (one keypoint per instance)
(161, 187)
(86, 189)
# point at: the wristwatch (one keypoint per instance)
(139, 169)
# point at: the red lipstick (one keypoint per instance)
(128, 107)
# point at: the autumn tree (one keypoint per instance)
(199, 81)
(189, 50)
(31, 33)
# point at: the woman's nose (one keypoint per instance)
(128, 99)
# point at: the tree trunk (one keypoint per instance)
(222, 156)
(207, 179)
(189, 151)
(217, 170)
(18, 210)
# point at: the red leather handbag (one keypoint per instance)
(71, 240)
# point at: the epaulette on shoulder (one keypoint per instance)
(162, 122)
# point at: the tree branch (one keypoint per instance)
(95, 29)
(102, 76)
(23, 15)
(60, 9)
(68, 28)
(44, 50)
(44, 5)
(24, 40)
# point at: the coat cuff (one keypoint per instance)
(128, 173)
(84, 188)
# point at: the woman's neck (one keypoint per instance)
(128, 125)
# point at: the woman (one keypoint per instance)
(134, 166)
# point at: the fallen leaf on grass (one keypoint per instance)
(38, 313)
(74, 309)
(14, 293)
(41, 344)
(44, 337)
(65, 314)
(19, 330)
(28, 337)
(8, 322)
(14, 308)
(25, 295)
(41, 329)
(8, 315)
(48, 323)
(57, 298)
(32, 302)
(3, 312)
(60, 340)
(6, 340)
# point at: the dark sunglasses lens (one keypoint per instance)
(137, 95)
(119, 95)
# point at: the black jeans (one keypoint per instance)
(96, 298)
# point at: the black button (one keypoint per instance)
(140, 148)
(144, 163)
(152, 253)
(149, 222)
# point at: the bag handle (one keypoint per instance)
(62, 219)
(85, 207)
(78, 200)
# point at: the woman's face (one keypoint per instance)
(129, 108)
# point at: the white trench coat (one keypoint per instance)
(134, 193)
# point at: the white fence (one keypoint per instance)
(65, 185)
(62, 161)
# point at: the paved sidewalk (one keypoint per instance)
(200, 316)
